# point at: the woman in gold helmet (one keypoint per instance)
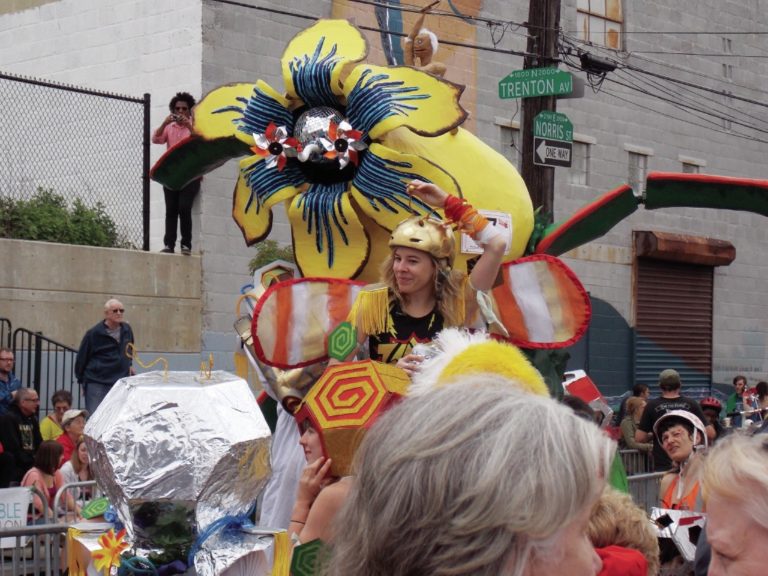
(421, 293)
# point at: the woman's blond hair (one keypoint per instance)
(617, 521)
(736, 469)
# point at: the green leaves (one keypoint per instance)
(47, 216)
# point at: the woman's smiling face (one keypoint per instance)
(414, 270)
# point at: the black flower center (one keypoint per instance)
(275, 148)
(341, 145)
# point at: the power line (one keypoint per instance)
(698, 74)
(615, 56)
(691, 110)
(696, 86)
(713, 54)
(659, 113)
(679, 32)
(443, 13)
(678, 93)
(371, 28)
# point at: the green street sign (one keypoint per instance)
(536, 82)
(552, 126)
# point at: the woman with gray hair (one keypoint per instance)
(735, 487)
(479, 478)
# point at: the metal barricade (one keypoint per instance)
(41, 555)
(636, 461)
(74, 494)
(37, 548)
(644, 489)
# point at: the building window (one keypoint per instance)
(638, 167)
(691, 165)
(511, 145)
(578, 173)
(600, 22)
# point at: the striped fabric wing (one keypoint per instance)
(542, 303)
(292, 319)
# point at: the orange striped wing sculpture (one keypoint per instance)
(346, 401)
(542, 303)
(292, 319)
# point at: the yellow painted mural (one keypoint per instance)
(448, 21)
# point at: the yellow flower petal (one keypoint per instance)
(328, 243)
(379, 187)
(380, 99)
(315, 58)
(255, 225)
(215, 115)
(464, 156)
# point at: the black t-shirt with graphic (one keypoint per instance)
(408, 331)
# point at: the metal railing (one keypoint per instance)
(74, 492)
(636, 462)
(37, 548)
(5, 332)
(46, 366)
(80, 144)
(40, 555)
(644, 489)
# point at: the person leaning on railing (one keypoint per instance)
(635, 407)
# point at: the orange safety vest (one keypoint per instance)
(691, 501)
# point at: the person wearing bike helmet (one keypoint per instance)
(681, 434)
(711, 407)
(421, 293)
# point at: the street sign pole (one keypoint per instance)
(543, 28)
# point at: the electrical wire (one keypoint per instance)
(701, 114)
(622, 58)
(688, 94)
(373, 29)
(681, 32)
(708, 127)
(711, 54)
(447, 14)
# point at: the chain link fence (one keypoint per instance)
(80, 144)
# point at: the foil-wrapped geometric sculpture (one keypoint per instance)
(174, 453)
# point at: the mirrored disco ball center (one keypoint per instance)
(313, 125)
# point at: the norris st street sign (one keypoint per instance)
(553, 126)
(536, 82)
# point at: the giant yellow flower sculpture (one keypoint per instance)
(338, 149)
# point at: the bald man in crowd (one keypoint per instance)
(102, 359)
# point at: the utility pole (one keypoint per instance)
(543, 26)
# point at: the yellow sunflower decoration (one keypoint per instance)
(339, 148)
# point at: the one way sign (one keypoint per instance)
(552, 152)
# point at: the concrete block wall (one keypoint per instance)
(60, 290)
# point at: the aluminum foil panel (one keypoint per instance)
(181, 447)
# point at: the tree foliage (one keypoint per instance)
(269, 251)
(48, 217)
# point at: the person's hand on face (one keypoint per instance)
(313, 479)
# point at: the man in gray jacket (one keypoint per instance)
(102, 359)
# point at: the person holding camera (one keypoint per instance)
(176, 127)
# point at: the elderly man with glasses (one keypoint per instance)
(102, 359)
(9, 384)
(20, 436)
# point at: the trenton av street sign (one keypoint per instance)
(536, 82)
